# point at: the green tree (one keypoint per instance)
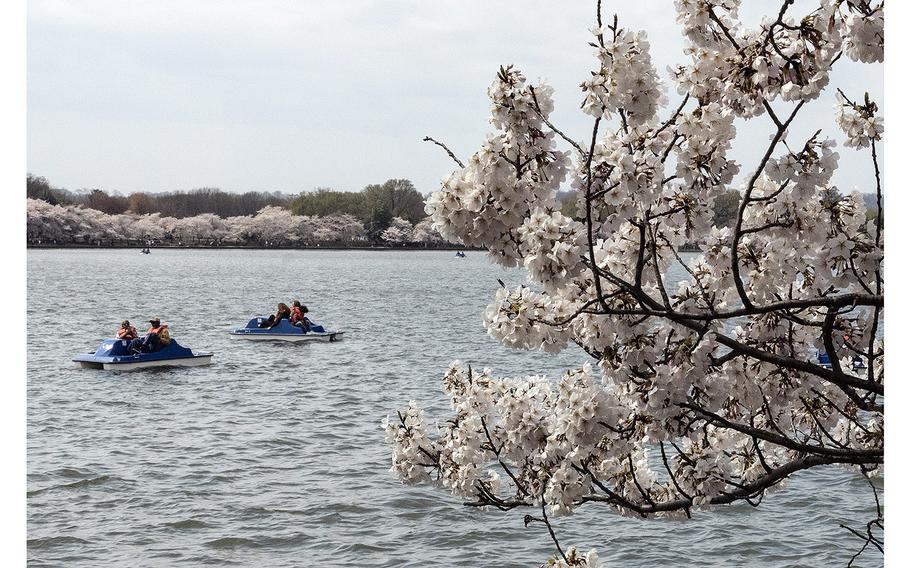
(379, 220)
(325, 201)
(398, 197)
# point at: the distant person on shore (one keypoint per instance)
(127, 331)
(284, 312)
(298, 316)
(155, 338)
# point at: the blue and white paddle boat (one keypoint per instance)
(284, 331)
(114, 354)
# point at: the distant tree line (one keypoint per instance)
(384, 212)
(177, 204)
(271, 226)
(375, 205)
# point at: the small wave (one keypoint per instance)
(70, 472)
(292, 540)
(284, 541)
(347, 508)
(265, 512)
(114, 403)
(188, 524)
(233, 542)
(360, 548)
(282, 442)
(100, 480)
(54, 541)
(330, 519)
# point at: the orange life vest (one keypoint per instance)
(126, 332)
(163, 335)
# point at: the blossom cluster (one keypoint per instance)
(516, 170)
(864, 33)
(626, 79)
(575, 559)
(860, 123)
(787, 57)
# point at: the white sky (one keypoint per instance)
(290, 95)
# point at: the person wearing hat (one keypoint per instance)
(155, 338)
(127, 331)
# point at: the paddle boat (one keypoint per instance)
(459, 254)
(114, 354)
(284, 331)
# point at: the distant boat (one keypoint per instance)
(459, 254)
(145, 250)
(284, 331)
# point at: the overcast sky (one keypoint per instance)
(293, 95)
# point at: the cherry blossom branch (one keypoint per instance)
(737, 232)
(851, 456)
(831, 302)
(878, 198)
(502, 464)
(446, 148)
(744, 492)
(550, 125)
(589, 219)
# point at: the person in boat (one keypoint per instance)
(298, 316)
(155, 338)
(127, 331)
(284, 312)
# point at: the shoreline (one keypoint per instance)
(58, 246)
(449, 248)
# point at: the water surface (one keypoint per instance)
(273, 455)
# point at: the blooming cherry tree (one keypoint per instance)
(425, 233)
(338, 228)
(399, 231)
(48, 223)
(276, 225)
(764, 361)
(43, 221)
(146, 227)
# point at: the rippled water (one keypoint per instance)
(273, 455)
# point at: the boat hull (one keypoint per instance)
(114, 355)
(285, 331)
(292, 337)
(196, 361)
